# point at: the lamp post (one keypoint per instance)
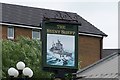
(20, 71)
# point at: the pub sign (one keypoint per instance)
(60, 46)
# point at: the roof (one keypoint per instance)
(30, 16)
(107, 52)
(105, 68)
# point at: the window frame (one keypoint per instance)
(36, 31)
(8, 31)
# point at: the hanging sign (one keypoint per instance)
(60, 46)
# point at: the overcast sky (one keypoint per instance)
(101, 13)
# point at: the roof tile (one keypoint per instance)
(30, 16)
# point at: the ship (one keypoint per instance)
(64, 56)
(57, 48)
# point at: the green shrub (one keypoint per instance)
(26, 50)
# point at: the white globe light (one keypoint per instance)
(11, 71)
(27, 71)
(16, 73)
(20, 65)
(31, 74)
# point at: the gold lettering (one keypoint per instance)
(53, 31)
(61, 27)
(67, 32)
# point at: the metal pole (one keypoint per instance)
(11, 77)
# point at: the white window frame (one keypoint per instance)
(37, 31)
(10, 37)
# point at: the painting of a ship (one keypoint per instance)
(57, 54)
(58, 49)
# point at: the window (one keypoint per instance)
(10, 32)
(36, 34)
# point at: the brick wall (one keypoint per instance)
(89, 50)
(23, 31)
(4, 32)
(89, 47)
(18, 32)
(0, 31)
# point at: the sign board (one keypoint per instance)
(60, 46)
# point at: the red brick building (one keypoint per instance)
(26, 21)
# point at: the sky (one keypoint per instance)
(103, 14)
